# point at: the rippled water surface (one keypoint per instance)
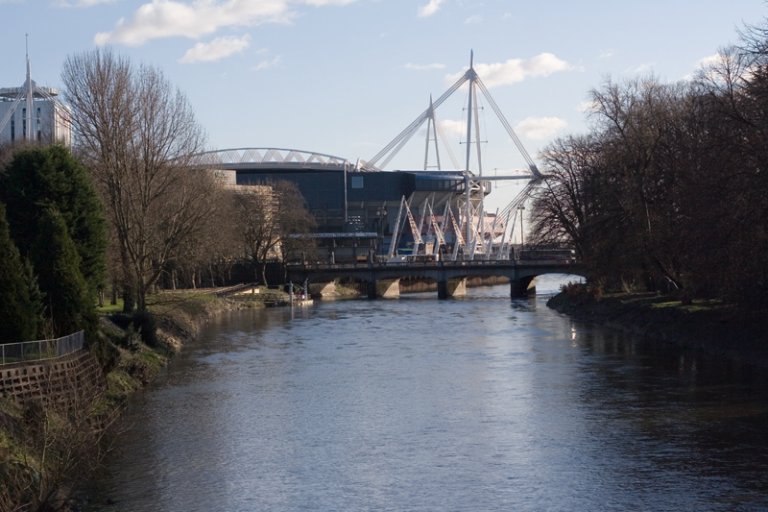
(479, 404)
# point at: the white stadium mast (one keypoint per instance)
(472, 182)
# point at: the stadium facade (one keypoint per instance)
(358, 211)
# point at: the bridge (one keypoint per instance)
(382, 280)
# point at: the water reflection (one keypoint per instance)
(417, 404)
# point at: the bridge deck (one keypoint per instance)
(518, 272)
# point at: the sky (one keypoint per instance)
(344, 77)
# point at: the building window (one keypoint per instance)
(357, 182)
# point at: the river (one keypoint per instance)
(415, 404)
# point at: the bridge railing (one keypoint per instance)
(41, 350)
(432, 264)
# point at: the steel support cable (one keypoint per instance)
(510, 131)
(521, 196)
(408, 132)
(405, 134)
(515, 204)
(441, 135)
(402, 143)
(518, 199)
(505, 123)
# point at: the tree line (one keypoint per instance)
(669, 189)
(169, 214)
(128, 208)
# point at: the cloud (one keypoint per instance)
(607, 54)
(640, 69)
(586, 106)
(424, 67)
(269, 63)
(323, 3)
(80, 3)
(711, 68)
(517, 70)
(709, 61)
(430, 8)
(197, 18)
(452, 128)
(474, 20)
(539, 128)
(218, 49)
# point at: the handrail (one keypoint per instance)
(432, 264)
(41, 350)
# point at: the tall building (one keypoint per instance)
(33, 113)
(49, 117)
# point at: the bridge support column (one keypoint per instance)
(385, 288)
(521, 287)
(325, 290)
(452, 288)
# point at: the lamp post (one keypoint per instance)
(520, 210)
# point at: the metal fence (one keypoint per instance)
(27, 351)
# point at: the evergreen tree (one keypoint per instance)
(36, 295)
(19, 297)
(56, 261)
(38, 177)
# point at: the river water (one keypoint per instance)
(415, 404)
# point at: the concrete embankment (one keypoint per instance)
(708, 326)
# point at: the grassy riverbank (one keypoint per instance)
(710, 326)
(175, 318)
(47, 451)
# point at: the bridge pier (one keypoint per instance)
(447, 288)
(388, 288)
(324, 290)
(521, 287)
(384, 288)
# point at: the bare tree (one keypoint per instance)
(738, 87)
(640, 120)
(561, 210)
(139, 136)
(206, 258)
